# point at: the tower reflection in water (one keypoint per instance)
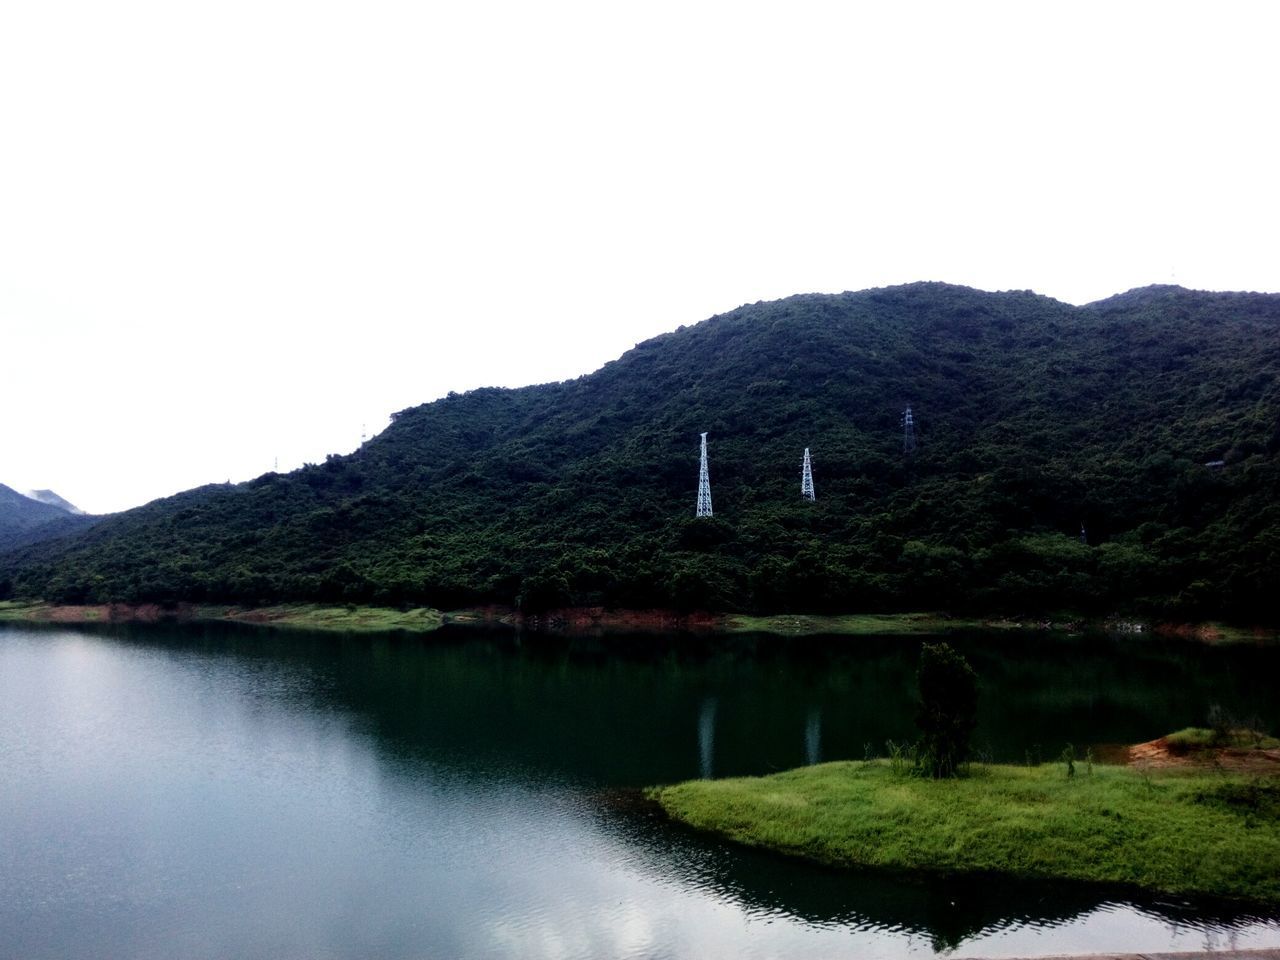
(707, 737)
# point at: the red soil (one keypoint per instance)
(1160, 754)
(598, 619)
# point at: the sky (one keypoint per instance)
(238, 235)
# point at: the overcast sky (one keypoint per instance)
(233, 232)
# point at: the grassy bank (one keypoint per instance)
(852, 624)
(314, 616)
(321, 617)
(38, 610)
(308, 616)
(595, 619)
(1193, 739)
(1174, 831)
(938, 624)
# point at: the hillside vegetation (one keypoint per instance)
(26, 520)
(1033, 417)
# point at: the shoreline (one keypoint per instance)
(1191, 831)
(1248, 953)
(589, 621)
(303, 616)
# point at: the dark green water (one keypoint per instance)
(230, 792)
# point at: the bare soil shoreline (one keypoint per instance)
(598, 620)
(1159, 754)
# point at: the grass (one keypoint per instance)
(1203, 738)
(861, 624)
(1174, 831)
(891, 624)
(314, 616)
(321, 617)
(21, 609)
(1218, 632)
(308, 616)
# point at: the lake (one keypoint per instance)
(226, 791)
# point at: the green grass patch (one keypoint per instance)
(1204, 738)
(1216, 631)
(310, 616)
(307, 616)
(22, 609)
(892, 624)
(861, 624)
(1176, 831)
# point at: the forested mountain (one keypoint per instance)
(1033, 418)
(26, 520)
(51, 498)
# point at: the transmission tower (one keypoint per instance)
(704, 483)
(908, 432)
(806, 478)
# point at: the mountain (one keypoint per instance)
(24, 520)
(51, 498)
(1033, 418)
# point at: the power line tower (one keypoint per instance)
(908, 432)
(704, 483)
(806, 478)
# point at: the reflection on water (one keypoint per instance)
(707, 738)
(813, 737)
(944, 914)
(222, 791)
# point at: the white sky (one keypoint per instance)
(235, 231)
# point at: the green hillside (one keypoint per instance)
(1033, 417)
(25, 520)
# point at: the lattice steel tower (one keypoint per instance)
(806, 478)
(704, 483)
(908, 432)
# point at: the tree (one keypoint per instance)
(948, 709)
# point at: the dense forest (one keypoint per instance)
(1033, 418)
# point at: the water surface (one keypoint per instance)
(234, 792)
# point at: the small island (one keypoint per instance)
(1175, 830)
(1193, 813)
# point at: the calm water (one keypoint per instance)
(228, 792)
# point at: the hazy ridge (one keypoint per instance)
(27, 519)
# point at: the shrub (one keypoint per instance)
(948, 709)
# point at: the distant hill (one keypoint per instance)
(1033, 417)
(51, 498)
(25, 520)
